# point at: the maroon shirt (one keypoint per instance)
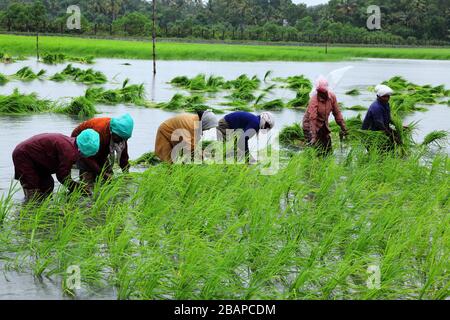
(50, 153)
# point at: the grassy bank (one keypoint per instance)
(226, 232)
(23, 45)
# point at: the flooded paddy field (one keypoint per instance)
(14, 129)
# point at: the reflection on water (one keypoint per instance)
(14, 129)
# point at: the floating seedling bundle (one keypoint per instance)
(27, 74)
(132, 94)
(18, 103)
(199, 83)
(88, 76)
(55, 58)
(81, 107)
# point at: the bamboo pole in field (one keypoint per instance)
(37, 45)
(154, 37)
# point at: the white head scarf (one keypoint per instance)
(209, 120)
(267, 118)
(383, 90)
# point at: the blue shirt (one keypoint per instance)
(378, 117)
(243, 120)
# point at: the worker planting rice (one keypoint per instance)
(114, 135)
(36, 159)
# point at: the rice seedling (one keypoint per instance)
(81, 107)
(18, 103)
(88, 76)
(292, 136)
(6, 58)
(214, 232)
(267, 75)
(301, 101)
(147, 159)
(3, 79)
(128, 94)
(56, 58)
(353, 92)
(27, 74)
(297, 83)
(276, 104)
(243, 83)
(355, 108)
(26, 45)
(439, 138)
(199, 83)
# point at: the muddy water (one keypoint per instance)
(14, 129)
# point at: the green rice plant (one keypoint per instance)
(292, 136)
(301, 101)
(128, 94)
(56, 58)
(6, 58)
(27, 74)
(439, 138)
(18, 103)
(355, 108)
(353, 92)
(214, 232)
(199, 83)
(81, 107)
(88, 76)
(243, 84)
(147, 159)
(276, 104)
(297, 83)
(181, 102)
(3, 79)
(267, 75)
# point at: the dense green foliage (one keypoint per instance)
(344, 21)
(215, 232)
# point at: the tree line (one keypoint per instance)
(339, 21)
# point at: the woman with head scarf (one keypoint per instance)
(36, 159)
(114, 136)
(316, 120)
(184, 128)
(247, 123)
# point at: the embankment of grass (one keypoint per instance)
(26, 45)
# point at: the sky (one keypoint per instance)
(310, 2)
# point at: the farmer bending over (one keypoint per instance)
(36, 159)
(378, 117)
(316, 121)
(114, 136)
(248, 124)
(186, 128)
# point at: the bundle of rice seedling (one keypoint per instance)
(276, 104)
(88, 76)
(133, 94)
(18, 103)
(55, 58)
(6, 58)
(81, 107)
(27, 74)
(292, 136)
(199, 83)
(243, 83)
(301, 101)
(355, 108)
(353, 92)
(3, 79)
(147, 159)
(439, 138)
